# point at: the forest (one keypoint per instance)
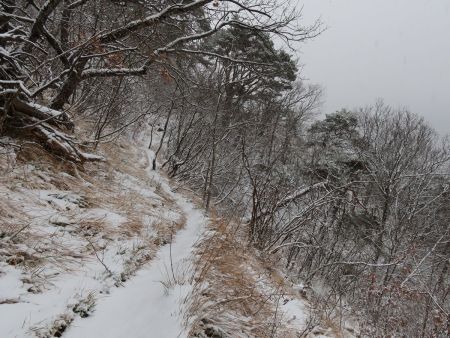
(354, 204)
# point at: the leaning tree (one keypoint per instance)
(49, 49)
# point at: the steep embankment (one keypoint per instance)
(69, 237)
(114, 250)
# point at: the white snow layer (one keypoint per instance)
(150, 304)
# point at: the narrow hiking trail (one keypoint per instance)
(151, 303)
(156, 302)
(118, 251)
(89, 253)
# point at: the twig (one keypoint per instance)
(99, 259)
(19, 231)
(274, 325)
(170, 253)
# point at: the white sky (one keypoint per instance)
(398, 50)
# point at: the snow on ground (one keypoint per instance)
(66, 242)
(115, 256)
(241, 293)
(151, 303)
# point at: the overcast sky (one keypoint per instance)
(398, 50)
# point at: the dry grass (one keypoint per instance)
(83, 308)
(48, 238)
(238, 292)
(12, 221)
(140, 255)
(33, 154)
(102, 185)
(232, 300)
(9, 301)
(229, 278)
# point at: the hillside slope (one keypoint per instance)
(115, 249)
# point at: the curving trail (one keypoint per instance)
(145, 306)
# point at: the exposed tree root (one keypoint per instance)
(46, 126)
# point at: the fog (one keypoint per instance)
(398, 50)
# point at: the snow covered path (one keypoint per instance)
(145, 306)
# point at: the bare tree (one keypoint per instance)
(49, 48)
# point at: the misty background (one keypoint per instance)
(397, 50)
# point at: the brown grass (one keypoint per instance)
(100, 186)
(232, 299)
(229, 276)
(237, 290)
